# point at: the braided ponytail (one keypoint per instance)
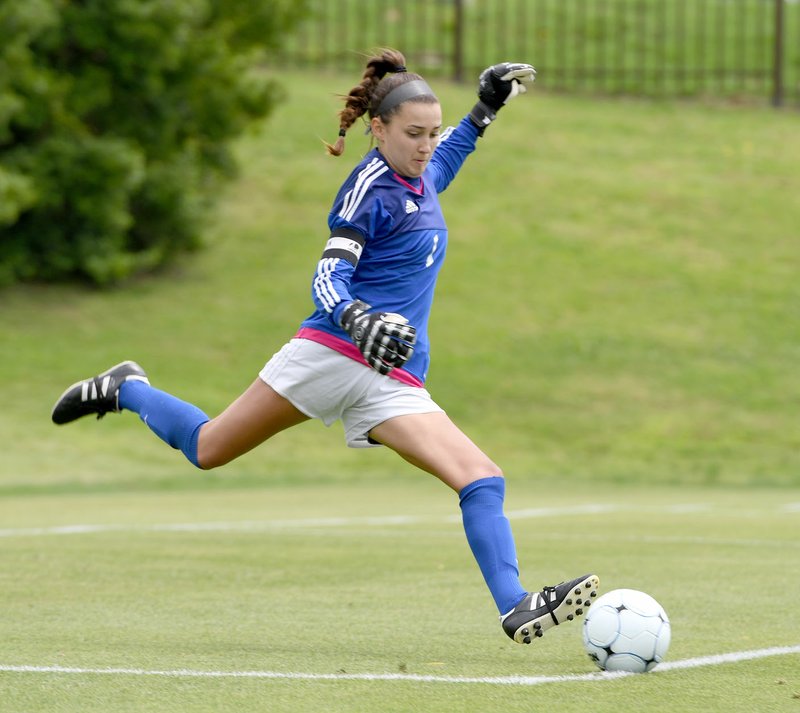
(361, 98)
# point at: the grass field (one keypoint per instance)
(301, 599)
(627, 272)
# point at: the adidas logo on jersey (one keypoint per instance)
(411, 207)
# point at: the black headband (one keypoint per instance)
(406, 91)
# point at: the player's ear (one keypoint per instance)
(378, 128)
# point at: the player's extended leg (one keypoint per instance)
(435, 444)
(254, 417)
(258, 414)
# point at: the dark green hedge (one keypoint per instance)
(115, 120)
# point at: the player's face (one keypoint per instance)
(410, 137)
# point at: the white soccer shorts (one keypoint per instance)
(324, 384)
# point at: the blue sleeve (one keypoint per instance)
(455, 145)
(330, 288)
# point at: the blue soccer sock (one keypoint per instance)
(174, 421)
(489, 535)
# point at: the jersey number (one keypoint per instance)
(429, 261)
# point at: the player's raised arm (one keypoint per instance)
(498, 85)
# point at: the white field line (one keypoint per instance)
(301, 523)
(717, 660)
(232, 526)
(367, 521)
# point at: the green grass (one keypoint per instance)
(283, 589)
(625, 271)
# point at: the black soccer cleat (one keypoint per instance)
(540, 611)
(98, 394)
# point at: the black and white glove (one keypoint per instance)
(497, 86)
(385, 339)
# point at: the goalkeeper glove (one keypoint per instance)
(497, 86)
(385, 339)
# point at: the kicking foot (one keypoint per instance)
(98, 394)
(540, 611)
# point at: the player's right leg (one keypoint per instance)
(96, 395)
(254, 417)
(258, 414)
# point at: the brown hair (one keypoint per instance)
(375, 85)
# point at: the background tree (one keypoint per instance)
(115, 123)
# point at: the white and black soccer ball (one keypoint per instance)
(626, 630)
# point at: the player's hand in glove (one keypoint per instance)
(497, 86)
(385, 339)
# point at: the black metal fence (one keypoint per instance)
(730, 48)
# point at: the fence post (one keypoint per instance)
(458, 40)
(777, 61)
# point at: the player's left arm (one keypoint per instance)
(497, 86)
(455, 144)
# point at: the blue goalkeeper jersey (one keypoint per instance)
(387, 242)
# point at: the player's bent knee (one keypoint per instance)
(210, 456)
(468, 473)
(483, 467)
(480, 475)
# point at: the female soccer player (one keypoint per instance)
(362, 356)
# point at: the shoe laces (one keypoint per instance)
(545, 594)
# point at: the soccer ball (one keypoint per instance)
(626, 630)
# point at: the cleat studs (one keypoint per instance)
(579, 611)
(537, 626)
(588, 585)
(570, 617)
(526, 640)
(593, 594)
(525, 632)
(539, 633)
(577, 590)
(568, 601)
(578, 601)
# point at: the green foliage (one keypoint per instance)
(115, 118)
